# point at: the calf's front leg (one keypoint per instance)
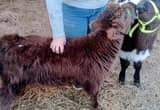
(124, 65)
(92, 89)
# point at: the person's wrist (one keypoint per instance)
(57, 44)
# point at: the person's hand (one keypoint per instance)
(57, 45)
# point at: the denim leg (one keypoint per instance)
(75, 22)
(75, 27)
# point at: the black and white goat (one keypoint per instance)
(138, 47)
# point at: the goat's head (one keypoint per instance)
(119, 17)
(146, 10)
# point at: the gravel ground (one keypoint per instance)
(30, 17)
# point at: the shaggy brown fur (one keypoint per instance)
(27, 60)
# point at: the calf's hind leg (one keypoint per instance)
(17, 88)
(137, 66)
(6, 98)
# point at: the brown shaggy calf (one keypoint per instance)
(27, 60)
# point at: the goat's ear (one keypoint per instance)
(94, 25)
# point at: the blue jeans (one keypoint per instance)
(76, 20)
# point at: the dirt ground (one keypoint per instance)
(30, 17)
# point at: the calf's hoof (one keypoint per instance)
(95, 105)
(121, 81)
(137, 84)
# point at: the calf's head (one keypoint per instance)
(116, 16)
